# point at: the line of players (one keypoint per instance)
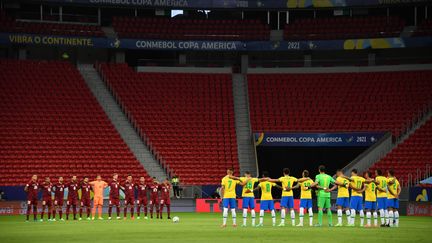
(129, 187)
(381, 195)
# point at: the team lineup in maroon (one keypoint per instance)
(159, 197)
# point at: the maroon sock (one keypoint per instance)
(34, 212)
(54, 213)
(138, 210)
(67, 211)
(88, 212)
(28, 211)
(80, 212)
(43, 211)
(169, 210)
(125, 212)
(109, 211)
(161, 210)
(145, 210)
(74, 209)
(118, 211)
(61, 213)
(151, 210)
(132, 211)
(49, 212)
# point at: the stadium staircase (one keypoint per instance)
(246, 152)
(120, 121)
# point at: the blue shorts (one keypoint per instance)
(370, 205)
(356, 203)
(248, 202)
(343, 202)
(267, 205)
(287, 202)
(381, 202)
(229, 203)
(305, 203)
(392, 203)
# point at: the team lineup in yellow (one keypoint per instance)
(355, 194)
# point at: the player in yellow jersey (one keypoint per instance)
(394, 190)
(287, 199)
(266, 199)
(370, 199)
(305, 197)
(248, 201)
(342, 201)
(228, 195)
(356, 202)
(381, 182)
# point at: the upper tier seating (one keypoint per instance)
(51, 125)
(424, 29)
(8, 24)
(343, 28)
(380, 101)
(185, 29)
(187, 119)
(411, 158)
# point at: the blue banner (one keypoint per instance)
(239, 4)
(420, 194)
(352, 139)
(213, 45)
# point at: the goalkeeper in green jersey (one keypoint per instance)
(322, 183)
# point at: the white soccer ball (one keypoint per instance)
(176, 219)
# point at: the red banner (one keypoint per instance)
(13, 207)
(214, 205)
(419, 209)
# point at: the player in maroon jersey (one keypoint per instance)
(72, 199)
(129, 189)
(114, 196)
(85, 197)
(165, 189)
(142, 197)
(46, 198)
(154, 195)
(58, 188)
(32, 188)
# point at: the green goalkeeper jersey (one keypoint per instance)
(324, 181)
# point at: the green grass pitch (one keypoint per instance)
(203, 227)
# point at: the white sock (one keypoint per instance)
(234, 215)
(391, 217)
(368, 217)
(386, 213)
(301, 215)
(292, 217)
(382, 216)
(352, 218)
(225, 215)
(396, 216)
(261, 216)
(283, 215)
(348, 215)
(375, 215)
(253, 217)
(361, 217)
(273, 214)
(339, 214)
(244, 216)
(310, 216)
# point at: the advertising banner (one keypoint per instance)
(215, 205)
(419, 209)
(419, 194)
(360, 139)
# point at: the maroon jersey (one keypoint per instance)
(46, 191)
(85, 191)
(165, 191)
(73, 188)
(59, 191)
(142, 190)
(154, 191)
(32, 189)
(114, 190)
(129, 189)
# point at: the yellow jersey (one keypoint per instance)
(343, 191)
(305, 190)
(392, 188)
(381, 182)
(370, 192)
(229, 186)
(356, 183)
(248, 186)
(266, 190)
(287, 181)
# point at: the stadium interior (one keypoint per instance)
(157, 92)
